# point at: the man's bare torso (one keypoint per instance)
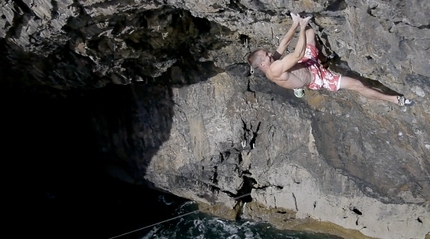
(302, 78)
(303, 73)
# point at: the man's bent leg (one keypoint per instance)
(310, 36)
(356, 85)
(311, 39)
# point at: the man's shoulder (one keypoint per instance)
(276, 68)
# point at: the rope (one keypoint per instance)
(171, 219)
(142, 228)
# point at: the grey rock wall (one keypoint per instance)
(188, 118)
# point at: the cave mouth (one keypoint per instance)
(55, 147)
(51, 89)
(56, 170)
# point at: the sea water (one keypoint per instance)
(99, 207)
(198, 225)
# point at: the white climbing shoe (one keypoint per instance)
(402, 101)
(299, 93)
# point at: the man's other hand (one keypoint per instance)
(304, 21)
(295, 17)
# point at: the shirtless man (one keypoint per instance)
(288, 74)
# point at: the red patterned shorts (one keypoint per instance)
(321, 77)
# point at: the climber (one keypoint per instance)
(287, 73)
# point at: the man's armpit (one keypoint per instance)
(276, 56)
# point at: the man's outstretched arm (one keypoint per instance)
(287, 38)
(290, 60)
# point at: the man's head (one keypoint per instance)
(260, 59)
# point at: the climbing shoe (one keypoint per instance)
(402, 101)
(299, 93)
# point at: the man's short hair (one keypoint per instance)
(254, 59)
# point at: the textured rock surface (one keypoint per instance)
(186, 117)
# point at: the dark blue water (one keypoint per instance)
(201, 226)
(197, 225)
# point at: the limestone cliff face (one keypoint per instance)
(188, 118)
